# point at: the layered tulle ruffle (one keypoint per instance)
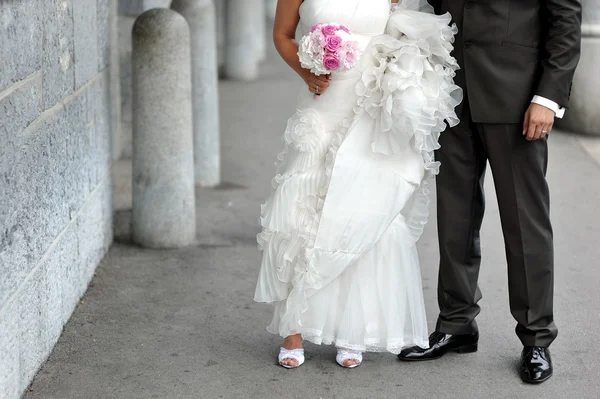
(291, 216)
(407, 87)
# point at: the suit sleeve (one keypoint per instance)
(561, 49)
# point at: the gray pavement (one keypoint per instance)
(182, 323)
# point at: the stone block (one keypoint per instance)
(14, 256)
(21, 36)
(100, 151)
(42, 215)
(86, 41)
(9, 350)
(33, 311)
(52, 175)
(58, 51)
(103, 24)
(19, 107)
(44, 153)
(64, 287)
(66, 271)
(78, 121)
(53, 266)
(94, 231)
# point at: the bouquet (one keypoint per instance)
(328, 48)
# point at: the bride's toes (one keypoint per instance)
(289, 362)
(349, 358)
(291, 358)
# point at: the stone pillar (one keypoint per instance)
(271, 8)
(136, 7)
(163, 211)
(241, 61)
(201, 18)
(129, 10)
(221, 11)
(115, 83)
(583, 115)
(261, 29)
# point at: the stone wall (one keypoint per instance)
(57, 78)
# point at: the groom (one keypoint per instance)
(517, 58)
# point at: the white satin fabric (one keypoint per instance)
(350, 201)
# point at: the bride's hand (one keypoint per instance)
(317, 84)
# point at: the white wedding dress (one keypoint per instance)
(350, 199)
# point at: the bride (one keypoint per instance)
(350, 198)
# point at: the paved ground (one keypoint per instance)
(182, 324)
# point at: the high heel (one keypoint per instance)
(293, 354)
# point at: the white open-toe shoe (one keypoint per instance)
(343, 355)
(295, 354)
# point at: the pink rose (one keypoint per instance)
(331, 62)
(314, 28)
(332, 43)
(329, 30)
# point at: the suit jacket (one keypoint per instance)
(511, 50)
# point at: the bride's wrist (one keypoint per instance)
(305, 75)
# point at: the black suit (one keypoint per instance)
(509, 51)
(512, 49)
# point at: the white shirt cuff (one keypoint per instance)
(559, 111)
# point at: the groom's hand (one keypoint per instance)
(538, 122)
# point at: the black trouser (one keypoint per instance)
(519, 171)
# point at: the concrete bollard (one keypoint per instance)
(200, 15)
(221, 11)
(163, 211)
(241, 62)
(261, 29)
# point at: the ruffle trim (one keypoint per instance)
(407, 87)
(295, 249)
(394, 346)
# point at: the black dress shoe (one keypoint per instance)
(440, 344)
(536, 364)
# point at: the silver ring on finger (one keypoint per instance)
(317, 89)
